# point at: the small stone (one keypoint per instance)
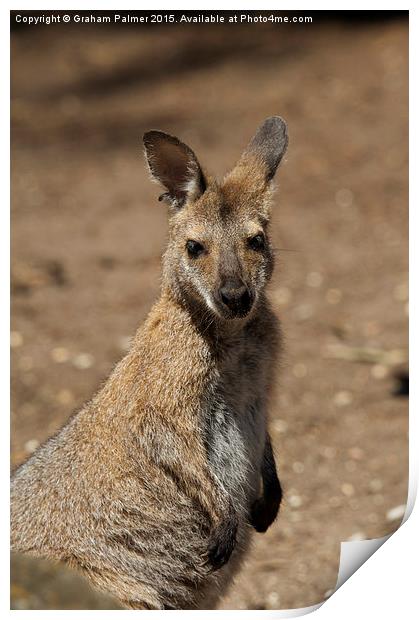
(303, 312)
(295, 501)
(373, 518)
(335, 501)
(314, 279)
(357, 536)
(376, 485)
(347, 489)
(280, 426)
(298, 467)
(302, 570)
(379, 371)
(342, 398)
(282, 295)
(329, 452)
(396, 513)
(344, 197)
(273, 600)
(16, 339)
(60, 355)
(372, 328)
(82, 361)
(350, 466)
(20, 603)
(31, 446)
(333, 296)
(124, 343)
(356, 453)
(65, 397)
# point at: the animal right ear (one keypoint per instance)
(175, 166)
(268, 145)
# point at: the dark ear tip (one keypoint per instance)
(276, 124)
(153, 136)
(150, 137)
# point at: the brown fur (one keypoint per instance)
(156, 482)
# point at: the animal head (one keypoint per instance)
(219, 253)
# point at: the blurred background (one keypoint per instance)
(88, 233)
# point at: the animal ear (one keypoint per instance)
(268, 145)
(175, 166)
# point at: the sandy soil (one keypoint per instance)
(88, 232)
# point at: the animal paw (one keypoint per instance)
(263, 514)
(222, 542)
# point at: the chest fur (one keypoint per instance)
(235, 423)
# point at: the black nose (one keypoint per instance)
(237, 298)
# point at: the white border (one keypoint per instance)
(386, 584)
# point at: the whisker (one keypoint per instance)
(284, 250)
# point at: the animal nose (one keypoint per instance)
(236, 298)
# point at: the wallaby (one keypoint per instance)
(156, 482)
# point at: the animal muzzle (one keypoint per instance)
(234, 299)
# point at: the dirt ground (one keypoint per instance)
(88, 232)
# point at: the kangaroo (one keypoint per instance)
(152, 489)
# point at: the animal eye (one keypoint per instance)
(257, 242)
(194, 248)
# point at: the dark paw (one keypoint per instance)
(222, 543)
(262, 515)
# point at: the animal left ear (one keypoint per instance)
(173, 164)
(268, 146)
